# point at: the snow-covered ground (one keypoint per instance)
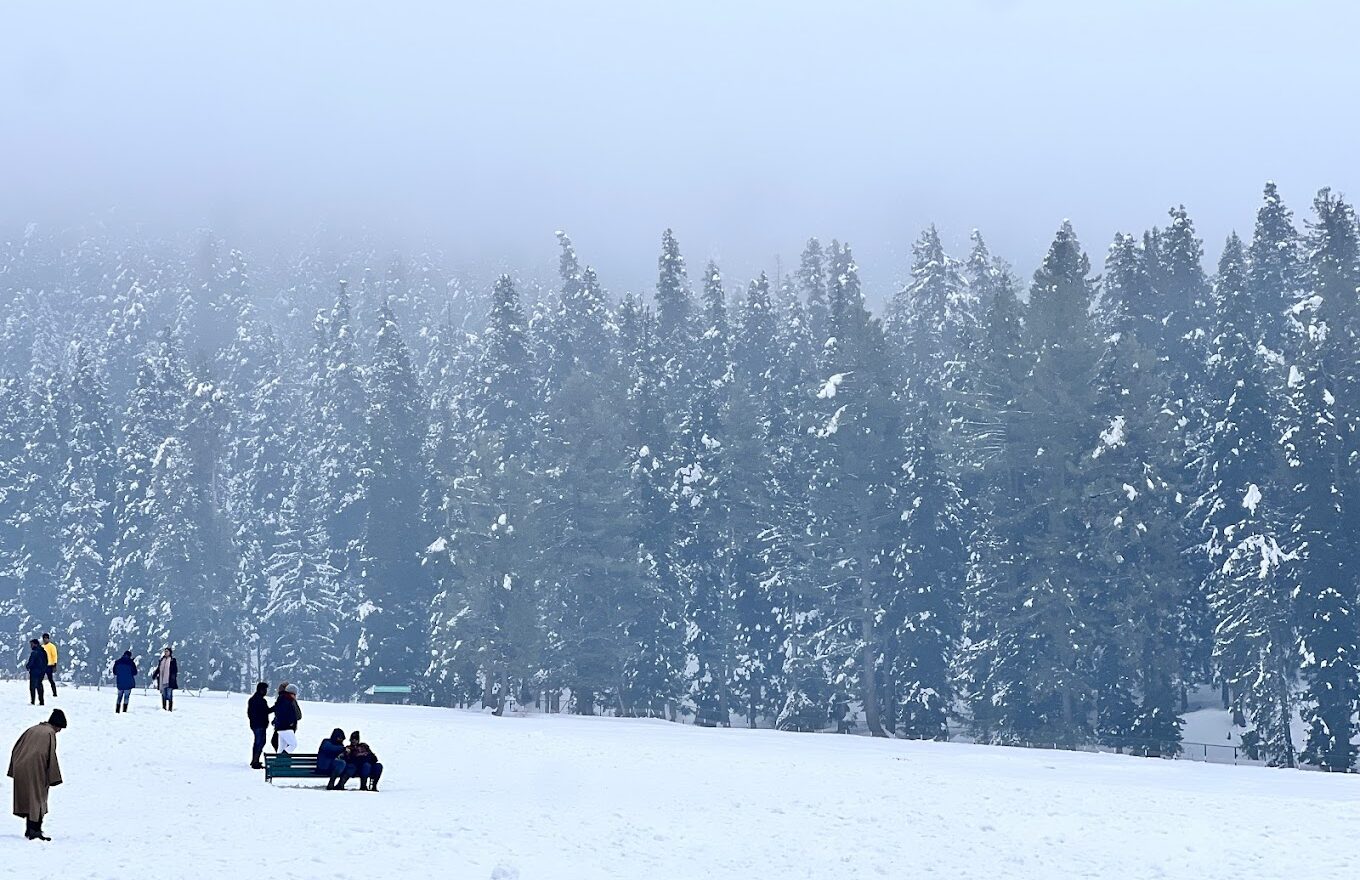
(166, 796)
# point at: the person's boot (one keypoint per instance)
(363, 784)
(373, 785)
(170, 704)
(344, 780)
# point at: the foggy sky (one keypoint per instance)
(747, 126)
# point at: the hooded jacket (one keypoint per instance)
(125, 673)
(329, 751)
(287, 712)
(37, 662)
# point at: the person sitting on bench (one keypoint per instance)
(362, 763)
(330, 760)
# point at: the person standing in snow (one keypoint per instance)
(166, 677)
(125, 677)
(33, 767)
(257, 713)
(330, 761)
(37, 668)
(50, 649)
(363, 763)
(287, 714)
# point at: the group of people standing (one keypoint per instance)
(287, 713)
(334, 758)
(165, 675)
(33, 762)
(42, 663)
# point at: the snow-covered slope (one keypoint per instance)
(166, 796)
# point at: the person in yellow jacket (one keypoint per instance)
(50, 648)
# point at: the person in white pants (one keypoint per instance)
(287, 714)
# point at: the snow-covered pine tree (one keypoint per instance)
(755, 427)
(674, 304)
(11, 506)
(395, 586)
(491, 612)
(86, 518)
(998, 461)
(337, 406)
(1275, 268)
(930, 564)
(812, 287)
(39, 557)
(858, 435)
(703, 482)
(1324, 385)
(1030, 667)
(304, 619)
(141, 613)
(1245, 516)
(655, 662)
(590, 567)
(1136, 536)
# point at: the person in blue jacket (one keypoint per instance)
(330, 759)
(125, 677)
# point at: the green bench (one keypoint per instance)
(291, 766)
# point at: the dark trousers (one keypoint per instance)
(259, 744)
(365, 771)
(50, 670)
(35, 688)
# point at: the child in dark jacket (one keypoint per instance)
(362, 763)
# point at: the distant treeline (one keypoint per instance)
(1041, 512)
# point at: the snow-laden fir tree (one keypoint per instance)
(1324, 442)
(87, 503)
(1245, 515)
(395, 586)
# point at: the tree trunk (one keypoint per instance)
(1225, 696)
(1285, 719)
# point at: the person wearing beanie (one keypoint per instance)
(33, 767)
(257, 713)
(37, 668)
(330, 760)
(166, 677)
(287, 714)
(125, 677)
(363, 763)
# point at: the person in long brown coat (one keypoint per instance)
(33, 767)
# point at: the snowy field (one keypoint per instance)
(165, 796)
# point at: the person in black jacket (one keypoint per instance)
(37, 668)
(258, 712)
(363, 763)
(287, 714)
(330, 761)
